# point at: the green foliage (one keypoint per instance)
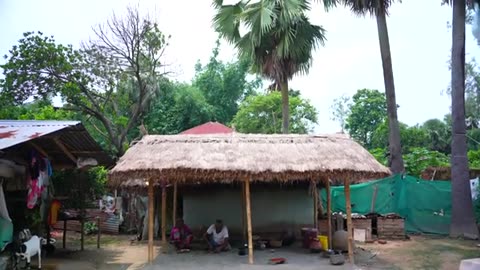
(411, 137)
(421, 158)
(90, 227)
(380, 155)
(109, 82)
(279, 39)
(37, 110)
(439, 135)
(263, 114)
(472, 94)
(178, 107)
(474, 159)
(367, 112)
(214, 95)
(473, 139)
(224, 85)
(79, 186)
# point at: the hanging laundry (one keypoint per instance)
(54, 209)
(34, 192)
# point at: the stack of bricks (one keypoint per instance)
(391, 228)
(323, 227)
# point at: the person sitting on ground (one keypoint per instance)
(217, 237)
(181, 236)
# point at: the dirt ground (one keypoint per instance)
(420, 252)
(117, 252)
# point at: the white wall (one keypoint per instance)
(273, 209)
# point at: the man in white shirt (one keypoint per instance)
(217, 237)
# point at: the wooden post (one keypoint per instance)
(244, 214)
(164, 219)
(349, 221)
(315, 205)
(98, 232)
(151, 217)
(64, 243)
(174, 217)
(374, 199)
(82, 232)
(329, 214)
(249, 221)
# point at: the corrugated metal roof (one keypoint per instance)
(13, 132)
(52, 138)
(208, 128)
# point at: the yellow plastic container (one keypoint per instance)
(324, 241)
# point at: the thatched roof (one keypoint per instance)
(234, 157)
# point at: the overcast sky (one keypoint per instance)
(419, 37)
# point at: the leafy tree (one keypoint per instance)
(367, 112)
(380, 155)
(340, 110)
(177, 108)
(279, 39)
(474, 159)
(379, 9)
(439, 135)
(111, 79)
(36, 110)
(473, 139)
(224, 85)
(412, 137)
(262, 114)
(420, 159)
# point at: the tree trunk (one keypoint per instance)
(285, 107)
(394, 144)
(463, 220)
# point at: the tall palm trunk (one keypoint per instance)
(285, 107)
(463, 220)
(395, 147)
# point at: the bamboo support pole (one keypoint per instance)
(315, 205)
(349, 221)
(64, 242)
(82, 232)
(249, 221)
(244, 214)
(164, 219)
(329, 213)
(174, 218)
(98, 232)
(151, 217)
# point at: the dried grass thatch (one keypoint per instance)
(227, 158)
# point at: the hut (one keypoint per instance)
(61, 144)
(244, 158)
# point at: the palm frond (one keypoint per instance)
(227, 21)
(280, 38)
(329, 4)
(260, 17)
(369, 7)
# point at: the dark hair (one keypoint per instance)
(219, 221)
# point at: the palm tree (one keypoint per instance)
(379, 9)
(279, 39)
(463, 219)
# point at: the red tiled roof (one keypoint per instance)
(208, 128)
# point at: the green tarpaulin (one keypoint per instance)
(425, 205)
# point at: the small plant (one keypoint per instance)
(90, 228)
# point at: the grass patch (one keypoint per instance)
(104, 240)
